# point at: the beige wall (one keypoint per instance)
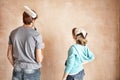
(100, 18)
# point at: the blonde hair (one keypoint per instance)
(81, 40)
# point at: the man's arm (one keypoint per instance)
(39, 55)
(10, 55)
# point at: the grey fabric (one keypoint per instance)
(25, 40)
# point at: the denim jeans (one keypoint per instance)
(78, 76)
(26, 74)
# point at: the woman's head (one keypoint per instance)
(80, 36)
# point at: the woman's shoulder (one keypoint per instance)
(73, 45)
(77, 45)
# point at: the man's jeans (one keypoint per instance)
(78, 76)
(26, 74)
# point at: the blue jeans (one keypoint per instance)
(78, 76)
(26, 74)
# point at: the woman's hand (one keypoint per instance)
(64, 76)
(64, 79)
(85, 62)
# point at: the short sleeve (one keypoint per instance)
(39, 42)
(10, 39)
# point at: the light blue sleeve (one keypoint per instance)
(70, 60)
(89, 56)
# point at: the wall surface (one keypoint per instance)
(100, 18)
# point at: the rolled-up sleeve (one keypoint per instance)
(70, 60)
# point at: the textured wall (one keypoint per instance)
(100, 18)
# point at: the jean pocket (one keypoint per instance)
(17, 69)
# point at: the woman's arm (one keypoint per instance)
(88, 55)
(64, 76)
(69, 63)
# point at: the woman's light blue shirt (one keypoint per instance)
(77, 55)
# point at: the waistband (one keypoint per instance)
(18, 69)
(81, 72)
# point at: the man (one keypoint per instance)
(24, 49)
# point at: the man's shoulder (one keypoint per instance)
(35, 33)
(16, 29)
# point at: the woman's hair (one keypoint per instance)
(28, 19)
(81, 39)
(73, 31)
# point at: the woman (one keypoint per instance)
(78, 54)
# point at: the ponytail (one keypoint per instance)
(81, 40)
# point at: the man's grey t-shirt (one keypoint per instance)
(25, 40)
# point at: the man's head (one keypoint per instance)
(29, 16)
(27, 19)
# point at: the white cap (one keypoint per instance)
(78, 31)
(30, 12)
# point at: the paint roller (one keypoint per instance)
(30, 12)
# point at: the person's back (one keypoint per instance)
(24, 40)
(78, 54)
(24, 50)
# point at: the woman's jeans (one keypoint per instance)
(78, 76)
(26, 74)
